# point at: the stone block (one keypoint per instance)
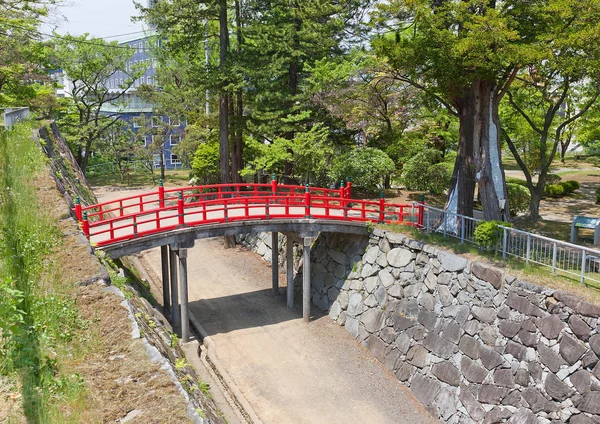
(411, 308)
(370, 284)
(447, 373)
(417, 356)
(473, 407)
(452, 332)
(371, 256)
(427, 301)
(489, 357)
(590, 403)
(373, 320)
(413, 290)
(523, 305)
(387, 279)
(445, 296)
(425, 389)
(439, 346)
(335, 310)
(491, 394)
(487, 273)
(427, 319)
(396, 238)
(523, 416)
(556, 388)
(396, 291)
(550, 326)
(377, 347)
(452, 263)
(472, 371)
(595, 343)
(332, 294)
(589, 360)
(399, 257)
(581, 419)
(579, 327)
(351, 326)
(504, 378)
(527, 338)
(487, 315)
(355, 305)
(534, 399)
(337, 256)
(581, 381)
(571, 349)
(469, 346)
(388, 335)
(401, 323)
(404, 371)
(535, 370)
(522, 377)
(577, 304)
(403, 343)
(549, 358)
(380, 295)
(472, 327)
(446, 403)
(509, 328)
(489, 335)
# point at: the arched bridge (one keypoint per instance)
(174, 218)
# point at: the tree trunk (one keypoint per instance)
(478, 158)
(534, 203)
(86, 155)
(224, 98)
(237, 162)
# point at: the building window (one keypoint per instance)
(175, 139)
(136, 123)
(149, 79)
(121, 82)
(175, 160)
(141, 80)
(148, 140)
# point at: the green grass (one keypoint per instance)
(139, 179)
(37, 322)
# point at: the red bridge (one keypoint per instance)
(174, 218)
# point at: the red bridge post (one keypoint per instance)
(307, 202)
(161, 194)
(274, 185)
(348, 188)
(342, 194)
(421, 208)
(78, 208)
(180, 208)
(381, 208)
(85, 225)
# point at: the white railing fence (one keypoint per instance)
(559, 256)
(13, 116)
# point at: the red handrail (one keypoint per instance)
(168, 209)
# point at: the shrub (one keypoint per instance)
(438, 177)
(555, 190)
(573, 184)
(488, 233)
(366, 167)
(415, 169)
(516, 181)
(518, 198)
(552, 179)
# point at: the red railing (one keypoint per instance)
(168, 209)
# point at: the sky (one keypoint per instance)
(100, 18)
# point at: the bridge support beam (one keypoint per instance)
(164, 261)
(289, 261)
(275, 261)
(183, 286)
(306, 280)
(174, 289)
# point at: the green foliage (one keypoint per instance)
(488, 234)
(555, 190)
(438, 177)
(517, 181)
(425, 171)
(205, 164)
(366, 168)
(519, 198)
(573, 185)
(552, 179)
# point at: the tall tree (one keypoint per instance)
(89, 63)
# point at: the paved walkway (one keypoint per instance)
(288, 371)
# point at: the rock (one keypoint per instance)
(371, 255)
(335, 310)
(451, 262)
(411, 308)
(474, 408)
(550, 326)
(401, 323)
(377, 347)
(580, 419)
(486, 273)
(391, 358)
(388, 335)
(556, 388)
(579, 327)
(582, 381)
(509, 328)
(417, 356)
(534, 399)
(571, 349)
(396, 291)
(355, 305)
(396, 238)
(504, 378)
(333, 293)
(370, 284)
(577, 304)
(489, 357)
(403, 343)
(404, 371)
(445, 296)
(491, 394)
(387, 279)
(496, 415)
(425, 389)
(489, 335)
(595, 343)
(472, 371)
(590, 403)
(472, 327)
(549, 358)
(427, 319)
(399, 257)
(535, 370)
(373, 320)
(343, 299)
(447, 373)
(589, 359)
(523, 416)
(469, 346)
(351, 326)
(522, 377)
(439, 346)
(427, 301)
(527, 338)
(446, 403)
(523, 305)
(452, 332)
(486, 315)
(337, 256)
(380, 295)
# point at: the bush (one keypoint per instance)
(518, 198)
(516, 181)
(415, 169)
(552, 179)
(574, 185)
(438, 177)
(488, 233)
(555, 190)
(366, 168)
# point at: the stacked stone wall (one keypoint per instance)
(473, 343)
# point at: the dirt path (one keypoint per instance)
(288, 371)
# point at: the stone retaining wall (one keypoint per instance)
(473, 344)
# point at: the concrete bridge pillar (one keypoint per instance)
(289, 260)
(183, 282)
(174, 289)
(275, 261)
(164, 261)
(306, 280)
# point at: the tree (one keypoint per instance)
(89, 63)
(118, 144)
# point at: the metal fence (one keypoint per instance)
(12, 116)
(134, 166)
(559, 256)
